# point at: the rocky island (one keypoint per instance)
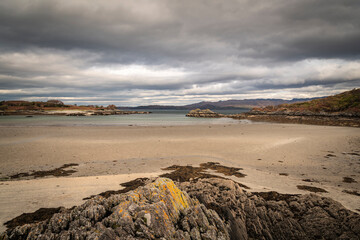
(206, 113)
(57, 107)
(200, 208)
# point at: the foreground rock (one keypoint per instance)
(206, 113)
(154, 211)
(272, 215)
(210, 208)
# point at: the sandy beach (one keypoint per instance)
(274, 157)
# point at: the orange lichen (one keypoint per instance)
(165, 215)
(178, 200)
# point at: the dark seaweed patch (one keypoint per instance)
(128, 186)
(348, 180)
(311, 189)
(57, 172)
(227, 171)
(309, 180)
(352, 192)
(188, 173)
(37, 216)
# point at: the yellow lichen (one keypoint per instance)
(167, 187)
(165, 215)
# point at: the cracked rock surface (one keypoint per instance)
(211, 208)
(157, 210)
(272, 215)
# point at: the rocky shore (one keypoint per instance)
(306, 117)
(71, 112)
(201, 208)
(57, 107)
(322, 118)
(206, 113)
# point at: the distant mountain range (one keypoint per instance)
(228, 104)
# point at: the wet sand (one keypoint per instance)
(276, 157)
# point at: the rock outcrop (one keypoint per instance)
(334, 119)
(272, 215)
(158, 210)
(206, 113)
(210, 208)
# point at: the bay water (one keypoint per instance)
(157, 117)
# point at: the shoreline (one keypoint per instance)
(343, 119)
(328, 120)
(72, 112)
(264, 152)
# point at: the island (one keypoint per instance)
(57, 107)
(207, 113)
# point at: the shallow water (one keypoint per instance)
(156, 118)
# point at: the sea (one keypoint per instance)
(158, 117)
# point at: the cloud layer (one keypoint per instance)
(177, 52)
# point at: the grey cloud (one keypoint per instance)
(190, 31)
(222, 47)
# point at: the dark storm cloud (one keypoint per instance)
(186, 30)
(176, 48)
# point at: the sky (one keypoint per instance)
(172, 52)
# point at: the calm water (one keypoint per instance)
(156, 118)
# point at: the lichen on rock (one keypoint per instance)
(205, 208)
(157, 210)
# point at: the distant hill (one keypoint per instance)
(246, 103)
(228, 104)
(149, 107)
(347, 102)
(49, 105)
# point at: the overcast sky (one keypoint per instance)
(141, 52)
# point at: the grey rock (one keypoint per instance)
(205, 113)
(195, 234)
(273, 215)
(211, 208)
(158, 210)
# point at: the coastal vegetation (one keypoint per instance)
(339, 110)
(57, 107)
(48, 105)
(348, 102)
